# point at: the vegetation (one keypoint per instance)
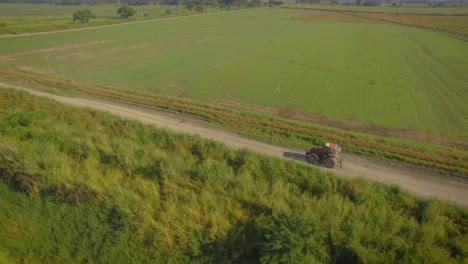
(82, 186)
(389, 8)
(135, 2)
(417, 94)
(419, 88)
(126, 11)
(83, 16)
(448, 20)
(21, 18)
(24, 18)
(279, 130)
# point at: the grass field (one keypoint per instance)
(382, 74)
(24, 18)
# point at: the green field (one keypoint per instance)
(450, 20)
(79, 186)
(24, 18)
(386, 75)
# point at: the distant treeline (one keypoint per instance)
(434, 3)
(131, 2)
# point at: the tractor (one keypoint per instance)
(328, 155)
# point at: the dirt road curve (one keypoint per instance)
(449, 189)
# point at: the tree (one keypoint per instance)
(274, 2)
(83, 16)
(126, 11)
(190, 5)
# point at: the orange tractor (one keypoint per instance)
(328, 155)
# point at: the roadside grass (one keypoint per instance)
(388, 76)
(113, 190)
(283, 131)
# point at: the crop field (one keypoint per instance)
(453, 24)
(450, 20)
(334, 65)
(405, 9)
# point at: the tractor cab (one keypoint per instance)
(331, 149)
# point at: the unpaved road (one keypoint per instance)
(426, 186)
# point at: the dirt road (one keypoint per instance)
(439, 186)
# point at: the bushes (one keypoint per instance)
(292, 240)
(19, 124)
(39, 230)
(105, 189)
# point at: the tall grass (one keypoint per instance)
(114, 190)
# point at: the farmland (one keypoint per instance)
(451, 20)
(386, 75)
(415, 9)
(25, 18)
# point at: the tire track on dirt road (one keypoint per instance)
(425, 186)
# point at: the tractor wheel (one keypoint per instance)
(330, 163)
(312, 158)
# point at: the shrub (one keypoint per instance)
(126, 11)
(292, 239)
(83, 16)
(19, 124)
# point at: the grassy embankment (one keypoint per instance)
(82, 186)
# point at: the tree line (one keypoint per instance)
(85, 15)
(433, 3)
(140, 2)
